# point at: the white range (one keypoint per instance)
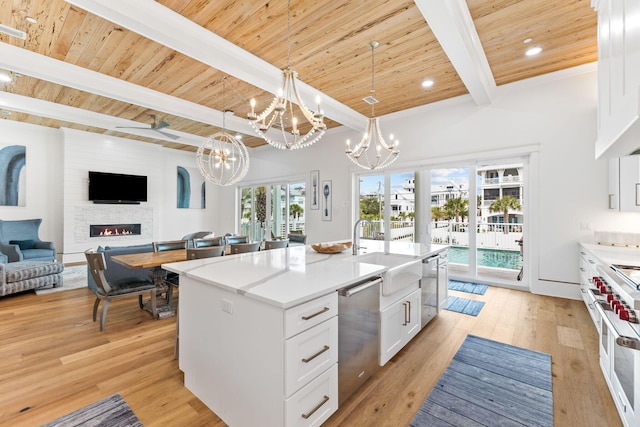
(610, 287)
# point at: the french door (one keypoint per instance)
(478, 210)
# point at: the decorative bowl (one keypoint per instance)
(331, 248)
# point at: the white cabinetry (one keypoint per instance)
(618, 76)
(587, 266)
(399, 323)
(624, 184)
(630, 183)
(253, 363)
(613, 202)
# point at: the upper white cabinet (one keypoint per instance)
(618, 77)
(613, 202)
(624, 184)
(630, 183)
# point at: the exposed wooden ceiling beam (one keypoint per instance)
(164, 26)
(453, 26)
(51, 110)
(43, 67)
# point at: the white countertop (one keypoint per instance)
(615, 254)
(288, 277)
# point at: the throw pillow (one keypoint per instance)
(24, 244)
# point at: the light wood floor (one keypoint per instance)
(53, 360)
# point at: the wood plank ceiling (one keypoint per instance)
(79, 70)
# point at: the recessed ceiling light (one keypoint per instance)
(238, 136)
(533, 51)
(5, 112)
(427, 83)
(527, 40)
(5, 77)
(31, 19)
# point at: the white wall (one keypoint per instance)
(555, 113)
(57, 165)
(86, 151)
(43, 178)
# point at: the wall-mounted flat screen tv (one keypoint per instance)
(117, 188)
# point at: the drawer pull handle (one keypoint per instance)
(404, 304)
(318, 406)
(324, 310)
(309, 359)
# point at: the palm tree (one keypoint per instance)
(457, 207)
(295, 211)
(504, 204)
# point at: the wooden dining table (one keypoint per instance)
(150, 259)
(154, 261)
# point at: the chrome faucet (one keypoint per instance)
(354, 242)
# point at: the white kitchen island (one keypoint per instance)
(258, 331)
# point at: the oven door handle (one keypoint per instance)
(621, 340)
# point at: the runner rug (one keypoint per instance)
(464, 306)
(469, 287)
(491, 384)
(112, 411)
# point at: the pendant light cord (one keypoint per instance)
(373, 45)
(289, 34)
(224, 105)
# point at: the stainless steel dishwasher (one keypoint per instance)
(358, 335)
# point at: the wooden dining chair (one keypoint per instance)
(276, 244)
(107, 291)
(207, 252)
(169, 280)
(233, 240)
(208, 242)
(240, 248)
(297, 238)
(169, 245)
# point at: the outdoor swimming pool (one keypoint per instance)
(487, 257)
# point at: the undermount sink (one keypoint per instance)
(402, 269)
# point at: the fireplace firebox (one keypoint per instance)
(101, 230)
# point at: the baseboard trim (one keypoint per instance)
(556, 289)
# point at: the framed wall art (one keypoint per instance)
(315, 187)
(326, 196)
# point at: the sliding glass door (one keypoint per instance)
(478, 211)
(388, 201)
(272, 211)
(450, 207)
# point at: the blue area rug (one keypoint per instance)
(491, 384)
(111, 411)
(468, 287)
(464, 306)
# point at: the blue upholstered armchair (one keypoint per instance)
(19, 241)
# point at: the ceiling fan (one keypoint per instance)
(156, 126)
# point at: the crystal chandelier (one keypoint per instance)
(280, 116)
(372, 152)
(222, 158)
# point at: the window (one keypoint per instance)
(491, 193)
(511, 191)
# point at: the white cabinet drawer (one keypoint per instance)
(312, 405)
(309, 354)
(304, 316)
